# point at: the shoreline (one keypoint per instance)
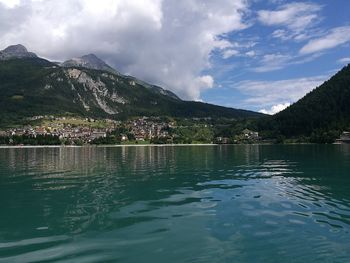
(104, 146)
(143, 145)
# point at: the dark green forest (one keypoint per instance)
(320, 116)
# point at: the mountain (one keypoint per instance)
(16, 51)
(325, 109)
(90, 61)
(31, 86)
(154, 88)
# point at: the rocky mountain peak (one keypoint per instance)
(90, 61)
(16, 51)
(92, 57)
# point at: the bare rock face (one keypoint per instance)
(103, 97)
(16, 51)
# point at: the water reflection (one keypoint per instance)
(224, 202)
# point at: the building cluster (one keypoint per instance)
(146, 129)
(85, 134)
(62, 128)
(140, 129)
(250, 135)
(247, 136)
(153, 129)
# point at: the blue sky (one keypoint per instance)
(260, 55)
(289, 48)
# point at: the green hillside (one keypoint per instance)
(33, 86)
(325, 110)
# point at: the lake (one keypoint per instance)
(243, 203)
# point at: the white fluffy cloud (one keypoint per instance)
(272, 95)
(337, 36)
(229, 53)
(161, 41)
(275, 108)
(10, 3)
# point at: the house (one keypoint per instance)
(139, 137)
(222, 140)
(40, 131)
(19, 132)
(251, 135)
(344, 138)
(98, 134)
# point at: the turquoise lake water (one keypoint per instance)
(267, 203)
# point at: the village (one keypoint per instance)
(78, 131)
(88, 130)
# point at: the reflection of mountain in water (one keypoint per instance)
(113, 158)
(93, 188)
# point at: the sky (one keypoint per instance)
(261, 55)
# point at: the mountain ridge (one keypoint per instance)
(89, 61)
(33, 86)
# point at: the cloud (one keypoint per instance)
(229, 53)
(282, 34)
(267, 94)
(276, 1)
(344, 60)
(296, 18)
(206, 82)
(238, 49)
(165, 42)
(336, 37)
(293, 15)
(250, 53)
(10, 3)
(271, 62)
(275, 108)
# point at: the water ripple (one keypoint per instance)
(175, 204)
